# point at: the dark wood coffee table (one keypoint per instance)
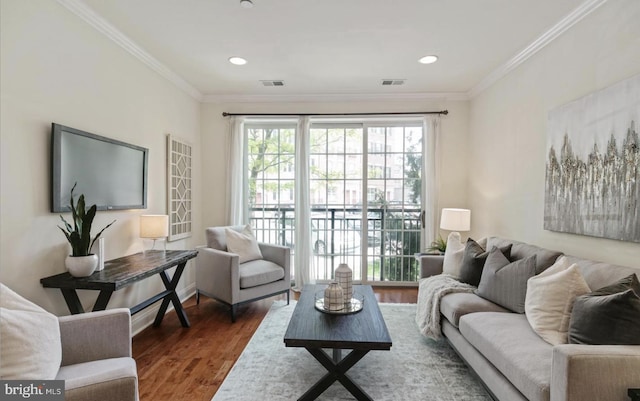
(360, 332)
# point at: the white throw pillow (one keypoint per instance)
(243, 244)
(453, 255)
(549, 300)
(561, 264)
(30, 346)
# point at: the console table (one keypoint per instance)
(122, 272)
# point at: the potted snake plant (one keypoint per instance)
(81, 262)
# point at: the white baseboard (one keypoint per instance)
(145, 318)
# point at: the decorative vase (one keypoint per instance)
(81, 266)
(333, 297)
(98, 249)
(344, 277)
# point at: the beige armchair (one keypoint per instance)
(91, 352)
(220, 275)
(96, 356)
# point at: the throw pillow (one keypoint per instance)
(504, 282)
(453, 255)
(549, 300)
(473, 260)
(561, 264)
(243, 244)
(30, 346)
(609, 315)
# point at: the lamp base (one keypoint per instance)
(454, 236)
(153, 246)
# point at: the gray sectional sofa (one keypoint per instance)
(514, 363)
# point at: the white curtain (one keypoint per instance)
(430, 178)
(302, 261)
(236, 183)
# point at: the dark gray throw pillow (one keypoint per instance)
(609, 315)
(504, 282)
(473, 260)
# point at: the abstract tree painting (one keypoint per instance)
(593, 164)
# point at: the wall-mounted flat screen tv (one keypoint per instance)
(111, 174)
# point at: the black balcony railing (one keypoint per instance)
(391, 236)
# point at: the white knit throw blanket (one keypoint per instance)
(430, 292)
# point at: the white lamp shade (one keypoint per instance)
(154, 226)
(455, 219)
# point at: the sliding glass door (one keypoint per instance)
(364, 187)
(393, 204)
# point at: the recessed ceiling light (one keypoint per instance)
(237, 60)
(246, 3)
(428, 59)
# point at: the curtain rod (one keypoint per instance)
(225, 114)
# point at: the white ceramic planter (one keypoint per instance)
(81, 266)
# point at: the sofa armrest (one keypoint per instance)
(594, 372)
(218, 274)
(95, 335)
(430, 265)
(278, 254)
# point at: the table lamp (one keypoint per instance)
(455, 220)
(155, 227)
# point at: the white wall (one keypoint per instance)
(215, 129)
(508, 129)
(56, 68)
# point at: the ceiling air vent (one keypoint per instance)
(386, 82)
(277, 82)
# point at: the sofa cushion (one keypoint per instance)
(113, 379)
(454, 306)
(600, 274)
(30, 345)
(453, 255)
(473, 261)
(544, 257)
(504, 282)
(243, 244)
(610, 315)
(216, 237)
(259, 272)
(90, 373)
(507, 341)
(550, 297)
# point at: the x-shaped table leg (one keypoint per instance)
(337, 371)
(172, 297)
(73, 302)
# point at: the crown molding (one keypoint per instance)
(339, 97)
(558, 29)
(103, 26)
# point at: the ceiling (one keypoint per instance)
(332, 47)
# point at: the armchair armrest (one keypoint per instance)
(96, 335)
(430, 265)
(218, 274)
(278, 254)
(594, 372)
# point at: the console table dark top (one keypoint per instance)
(364, 330)
(121, 272)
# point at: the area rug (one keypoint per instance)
(416, 368)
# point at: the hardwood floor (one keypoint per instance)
(176, 363)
